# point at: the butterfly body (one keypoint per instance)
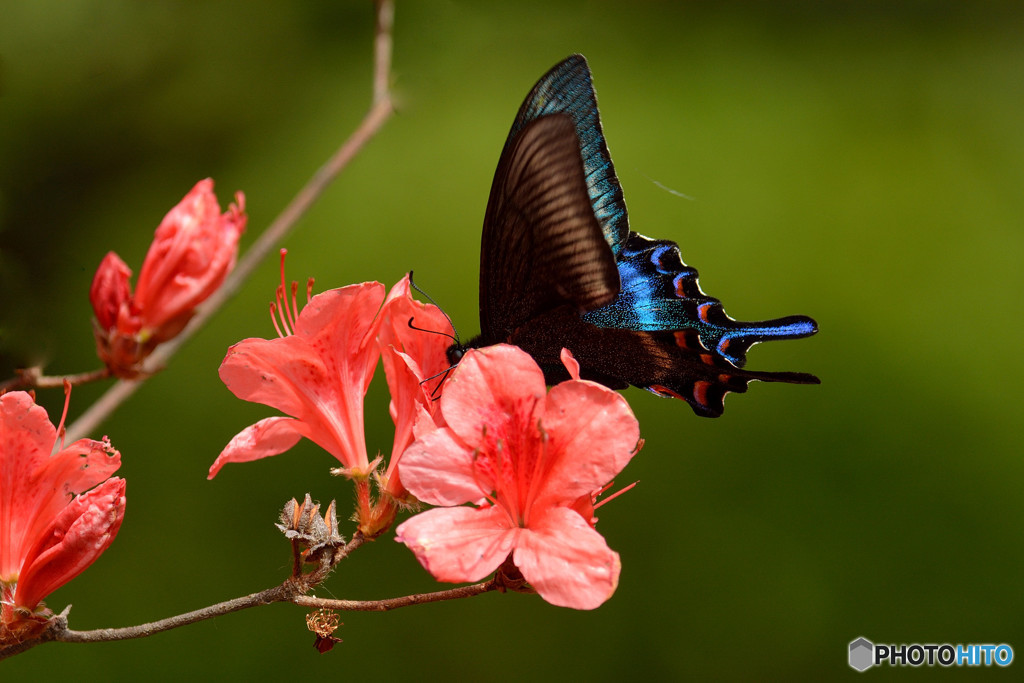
(560, 268)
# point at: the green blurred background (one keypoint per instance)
(862, 163)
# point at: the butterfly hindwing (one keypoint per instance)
(667, 363)
(560, 268)
(660, 292)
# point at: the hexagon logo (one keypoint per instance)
(862, 654)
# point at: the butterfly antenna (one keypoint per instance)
(435, 393)
(423, 329)
(455, 336)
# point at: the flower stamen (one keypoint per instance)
(273, 319)
(295, 305)
(612, 497)
(279, 309)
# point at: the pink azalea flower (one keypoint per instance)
(413, 341)
(52, 527)
(194, 249)
(317, 373)
(526, 457)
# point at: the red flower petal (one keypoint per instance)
(267, 437)
(459, 544)
(570, 363)
(286, 374)
(414, 340)
(418, 330)
(403, 376)
(110, 291)
(341, 325)
(493, 389)
(76, 538)
(318, 375)
(192, 252)
(594, 431)
(567, 561)
(48, 536)
(37, 486)
(438, 469)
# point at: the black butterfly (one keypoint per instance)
(559, 267)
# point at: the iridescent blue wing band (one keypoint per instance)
(661, 293)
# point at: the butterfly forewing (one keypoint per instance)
(568, 89)
(542, 245)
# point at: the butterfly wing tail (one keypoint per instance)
(733, 338)
(706, 392)
(661, 293)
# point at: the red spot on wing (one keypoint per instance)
(665, 392)
(700, 392)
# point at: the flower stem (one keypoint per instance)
(394, 603)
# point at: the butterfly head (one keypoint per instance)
(455, 353)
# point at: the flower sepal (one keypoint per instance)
(359, 473)
(122, 353)
(374, 512)
(24, 624)
(507, 577)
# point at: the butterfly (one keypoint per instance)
(559, 267)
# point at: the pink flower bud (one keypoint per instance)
(193, 251)
(111, 291)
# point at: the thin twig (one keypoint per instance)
(291, 590)
(380, 111)
(33, 378)
(296, 585)
(271, 595)
(57, 629)
(382, 50)
(394, 603)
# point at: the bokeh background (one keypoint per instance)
(862, 163)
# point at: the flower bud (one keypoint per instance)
(192, 253)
